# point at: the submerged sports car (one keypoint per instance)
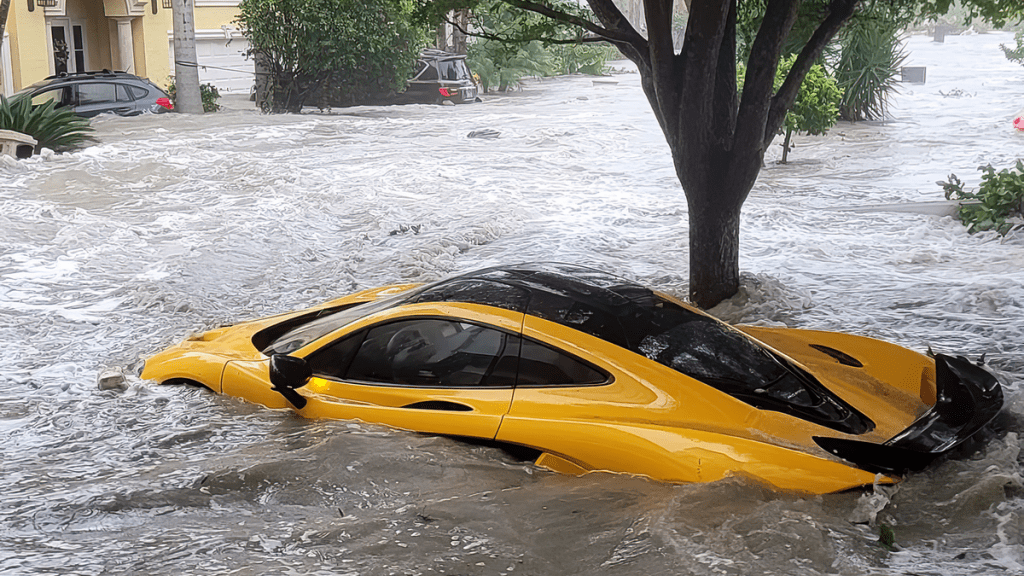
(597, 373)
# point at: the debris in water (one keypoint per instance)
(112, 379)
(955, 93)
(887, 537)
(402, 229)
(485, 133)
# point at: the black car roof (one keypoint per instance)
(601, 304)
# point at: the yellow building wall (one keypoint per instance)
(97, 42)
(30, 58)
(213, 17)
(152, 51)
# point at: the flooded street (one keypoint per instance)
(170, 225)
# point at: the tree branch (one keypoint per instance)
(759, 82)
(613, 35)
(510, 39)
(612, 18)
(705, 31)
(839, 12)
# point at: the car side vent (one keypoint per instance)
(841, 357)
(439, 405)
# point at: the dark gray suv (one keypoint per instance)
(439, 77)
(92, 93)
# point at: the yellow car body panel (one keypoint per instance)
(667, 455)
(634, 424)
(646, 418)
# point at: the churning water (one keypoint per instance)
(172, 224)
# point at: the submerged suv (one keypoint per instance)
(92, 93)
(440, 76)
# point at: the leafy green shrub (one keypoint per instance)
(582, 58)
(1000, 197)
(817, 103)
(1015, 54)
(501, 65)
(816, 108)
(513, 44)
(207, 92)
(58, 129)
(330, 52)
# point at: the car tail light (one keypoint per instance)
(447, 92)
(166, 103)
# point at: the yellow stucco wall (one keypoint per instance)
(213, 17)
(154, 58)
(29, 56)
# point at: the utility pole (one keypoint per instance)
(186, 73)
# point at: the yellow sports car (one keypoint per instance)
(594, 372)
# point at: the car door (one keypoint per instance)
(429, 374)
(100, 97)
(582, 402)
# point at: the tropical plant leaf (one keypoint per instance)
(56, 128)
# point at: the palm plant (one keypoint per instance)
(503, 65)
(870, 58)
(56, 128)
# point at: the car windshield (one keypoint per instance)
(320, 326)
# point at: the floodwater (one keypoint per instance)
(170, 225)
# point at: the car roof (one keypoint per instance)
(106, 74)
(74, 77)
(434, 54)
(601, 304)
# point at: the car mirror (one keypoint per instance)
(288, 373)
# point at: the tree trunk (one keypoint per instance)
(714, 250)
(786, 146)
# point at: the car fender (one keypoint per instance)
(191, 365)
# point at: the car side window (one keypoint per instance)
(59, 95)
(333, 360)
(95, 93)
(429, 74)
(122, 93)
(425, 352)
(138, 92)
(420, 67)
(540, 365)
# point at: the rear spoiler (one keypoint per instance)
(967, 398)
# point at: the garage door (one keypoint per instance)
(222, 62)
